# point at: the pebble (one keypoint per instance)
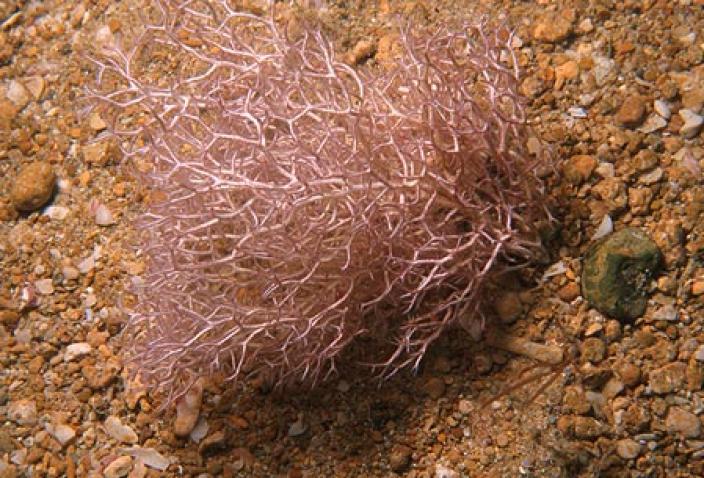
(552, 28)
(297, 428)
(629, 373)
(188, 410)
(435, 387)
(666, 312)
(605, 170)
(63, 433)
(668, 379)
(76, 350)
(120, 432)
(616, 270)
(44, 286)
(213, 443)
(508, 307)
(579, 168)
(18, 94)
(96, 123)
(399, 458)
(699, 354)
(150, 457)
(652, 124)
(33, 187)
(681, 421)
(103, 216)
(35, 85)
(692, 123)
(662, 108)
(22, 412)
(632, 112)
(118, 468)
(442, 471)
(593, 349)
(628, 449)
(612, 388)
(575, 400)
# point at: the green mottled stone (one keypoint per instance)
(616, 273)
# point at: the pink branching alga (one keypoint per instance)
(298, 203)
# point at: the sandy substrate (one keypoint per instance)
(616, 88)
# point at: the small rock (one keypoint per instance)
(399, 458)
(667, 313)
(692, 123)
(669, 378)
(70, 273)
(435, 387)
(662, 108)
(200, 431)
(213, 443)
(616, 271)
(629, 373)
(699, 354)
(57, 213)
(44, 286)
(585, 428)
(628, 449)
(35, 85)
(612, 388)
(652, 124)
(552, 28)
(33, 187)
(606, 170)
(76, 350)
(632, 112)
(61, 432)
(593, 349)
(362, 51)
(693, 99)
(17, 94)
(575, 400)
(569, 292)
(681, 421)
(98, 154)
(23, 412)
(508, 307)
(96, 123)
(123, 433)
(188, 410)
(150, 457)
(103, 216)
(118, 468)
(442, 471)
(100, 377)
(579, 168)
(297, 428)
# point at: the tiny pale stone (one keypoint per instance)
(118, 468)
(662, 108)
(76, 350)
(692, 123)
(628, 449)
(120, 432)
(188, 411)
(35, 85)
(18, 94)
(61, 432)
(44, 286)
(22, 412)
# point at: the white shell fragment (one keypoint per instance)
(606, 227)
